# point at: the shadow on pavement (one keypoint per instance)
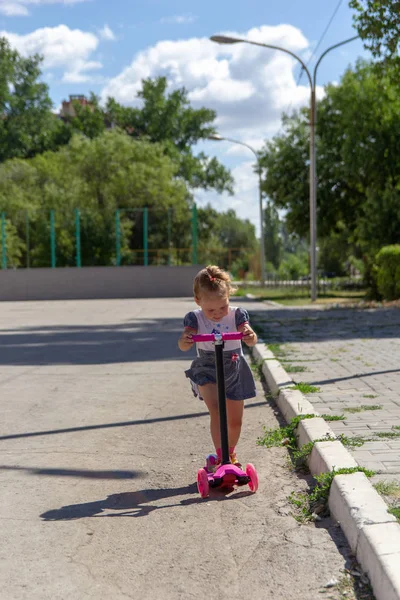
(152, 340)
(80, 473)
(13, 436)
(138, 341)
(135, 504)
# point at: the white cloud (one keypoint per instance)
(106, 33)
(179, 19)
(248, 86)
(62, 48)
(21, 7)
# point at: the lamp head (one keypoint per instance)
(224, 39)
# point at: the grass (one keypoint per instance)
(334, 417)
(395, 511)
(388, 434)
(306, 388)
(369, 396)
(315, 500)
(294, 369)
(283, 436)
(276, 349)
(363, 407)
(293, 296)
(388, 488)
(391, 490)
(352, 442)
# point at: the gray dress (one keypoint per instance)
(239, 380)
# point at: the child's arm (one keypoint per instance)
(249, 335)
(185, 342)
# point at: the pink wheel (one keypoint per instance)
(202, 483)
(252, 473)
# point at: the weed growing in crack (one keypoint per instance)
(352, 442)
(276, 349)
(295, 369)
(334, 417)
(388, 488)
(388, 434)
(363, 407)
(310, 505)
(283, 436)
(306, 388)
(395, 510)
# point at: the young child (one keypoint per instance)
(212, 290)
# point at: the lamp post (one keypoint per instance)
(219, 138)
(222, 39)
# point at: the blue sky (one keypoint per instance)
(108, 46)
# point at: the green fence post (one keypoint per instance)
(169, 236)
(78, 237)
(27, 233)
(118, 237)
(3, 241)
(146, 236)
(194, 234)
(52, 239)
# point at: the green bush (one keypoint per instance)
(388, 272)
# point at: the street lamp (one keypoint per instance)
(222, 39)
(219, 138)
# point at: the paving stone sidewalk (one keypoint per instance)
(352, 356)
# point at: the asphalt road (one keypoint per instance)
(100, 442)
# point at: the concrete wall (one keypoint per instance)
(96, 283)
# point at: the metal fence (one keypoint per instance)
(126, 236)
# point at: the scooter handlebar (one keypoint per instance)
(210, 337)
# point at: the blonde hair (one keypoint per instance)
(212, 279)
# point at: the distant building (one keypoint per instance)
(67, 109)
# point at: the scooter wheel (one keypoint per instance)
(252, 474)
(202, 483)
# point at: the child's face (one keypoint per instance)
(214, 306)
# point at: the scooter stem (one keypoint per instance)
(223, 420)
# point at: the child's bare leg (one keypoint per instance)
(209, 394)
(234, 410)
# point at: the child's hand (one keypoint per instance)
(186, 340)
(249, 336)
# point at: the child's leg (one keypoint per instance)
(210, 397)
(234, 410)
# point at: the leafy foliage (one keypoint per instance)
(358, 166)
(388, 272)
(378, 24)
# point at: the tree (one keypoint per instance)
(97, 177)
(358, 164)
(378, 25)
(90, 120)
(169, 119)
(27, 126)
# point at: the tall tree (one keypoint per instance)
(167, 117)
(27, 126)
(378, 24)
(358, 163)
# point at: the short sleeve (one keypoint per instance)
(190, 320)
(241, 316)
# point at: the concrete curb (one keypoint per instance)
(373, 533)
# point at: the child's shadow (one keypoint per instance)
(133, 504)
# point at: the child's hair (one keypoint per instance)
(213, 279)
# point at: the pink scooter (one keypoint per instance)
(227, 474)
